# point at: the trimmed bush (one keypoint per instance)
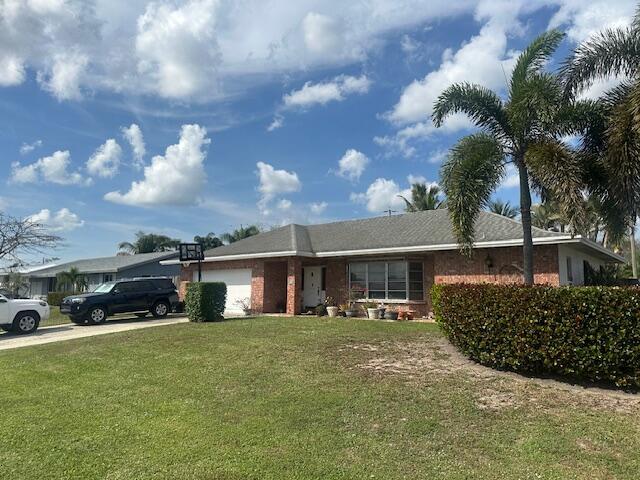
(55, 298)
(205, 301)
(590, 333)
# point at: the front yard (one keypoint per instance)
(298, 398)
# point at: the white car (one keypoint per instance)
(22, 316)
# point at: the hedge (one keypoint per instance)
(590, 333)
(55, 298)
(205, 301)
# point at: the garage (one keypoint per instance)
(238, 281)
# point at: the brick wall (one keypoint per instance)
(275, 287)
(294, 283)
(452, 267)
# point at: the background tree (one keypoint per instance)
(503, 208)
(16, 282)
(423, 198)
(72, 280)
(24, 236)
(524, 131)
(209, 241)
(614, 145)
(240, 233)
(149, 243)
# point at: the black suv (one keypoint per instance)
(141, 295)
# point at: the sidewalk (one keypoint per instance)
(60, 333)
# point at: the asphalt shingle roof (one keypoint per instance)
(427, 228)
(105, 264)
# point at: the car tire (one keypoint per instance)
(160, 309)
(25, 323)
(97, 315)
(141, 314)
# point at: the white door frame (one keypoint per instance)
(312, 294)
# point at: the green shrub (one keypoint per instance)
(591, 333)
(205, 301)
(55, 298)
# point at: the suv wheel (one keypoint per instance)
(160, 309)
(26, 322)
(97, 315)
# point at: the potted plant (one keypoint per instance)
(245, 305)
(332, 309)
(372, 309)
(321, 310)
(355, 294)
(381, 309)
(343, 308)
(391, 314)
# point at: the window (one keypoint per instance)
(107, 277)
(569, 270)
(393, 280)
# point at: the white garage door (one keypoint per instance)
(238, 282)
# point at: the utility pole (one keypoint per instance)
(634, 263)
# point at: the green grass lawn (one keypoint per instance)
(55, 318)
(297, 398)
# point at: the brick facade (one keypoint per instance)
(276, 283)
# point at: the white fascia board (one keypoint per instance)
(245, 256)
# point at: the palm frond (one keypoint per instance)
(473, 170)
(614, 52)
(482, 105)
(553, 167)
(534, 57)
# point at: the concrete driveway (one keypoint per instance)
(60, 333)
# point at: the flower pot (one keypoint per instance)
(381, 311)
(332, 311)
(391, 315)
(350, 313)
(373, 313)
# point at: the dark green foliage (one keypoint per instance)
(55, 298)
(205, 301)
(591, 333)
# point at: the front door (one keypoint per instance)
(313, 293)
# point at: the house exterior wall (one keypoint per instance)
(567, 253)
(506, 266)
(268, 288)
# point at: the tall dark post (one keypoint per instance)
(199, 269)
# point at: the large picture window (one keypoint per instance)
(392, 280)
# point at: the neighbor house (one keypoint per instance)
(103, 269)
(394, 259)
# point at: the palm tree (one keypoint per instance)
(149, 243)
(72, 280)
(523, 131)
(503, 208)
(240, 233)
(423, 198)
(614, 52)
(209, 241)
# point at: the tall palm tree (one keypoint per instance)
(524, 131)
(503, 208)
(614, 52)
(72, 280)
(240, 233)
(423, 198)
(149, 243)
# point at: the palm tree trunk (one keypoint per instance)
(525, 214)
(634, 263)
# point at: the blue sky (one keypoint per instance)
(260, 112)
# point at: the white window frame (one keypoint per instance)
(386, 262)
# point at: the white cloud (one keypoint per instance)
(352, 165)
(177, 47)
(511, 178)
(274, 182)
(284, 204)
(52, 169)
(11, 71)
(105, 161)
(30, 147)
(384, 194)
(177, 178)
(278, 122)
(318, 208)
(133, 135)
(335, 90)
(323, 34)
(61, 221)
(438, 156)
(64, 75)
